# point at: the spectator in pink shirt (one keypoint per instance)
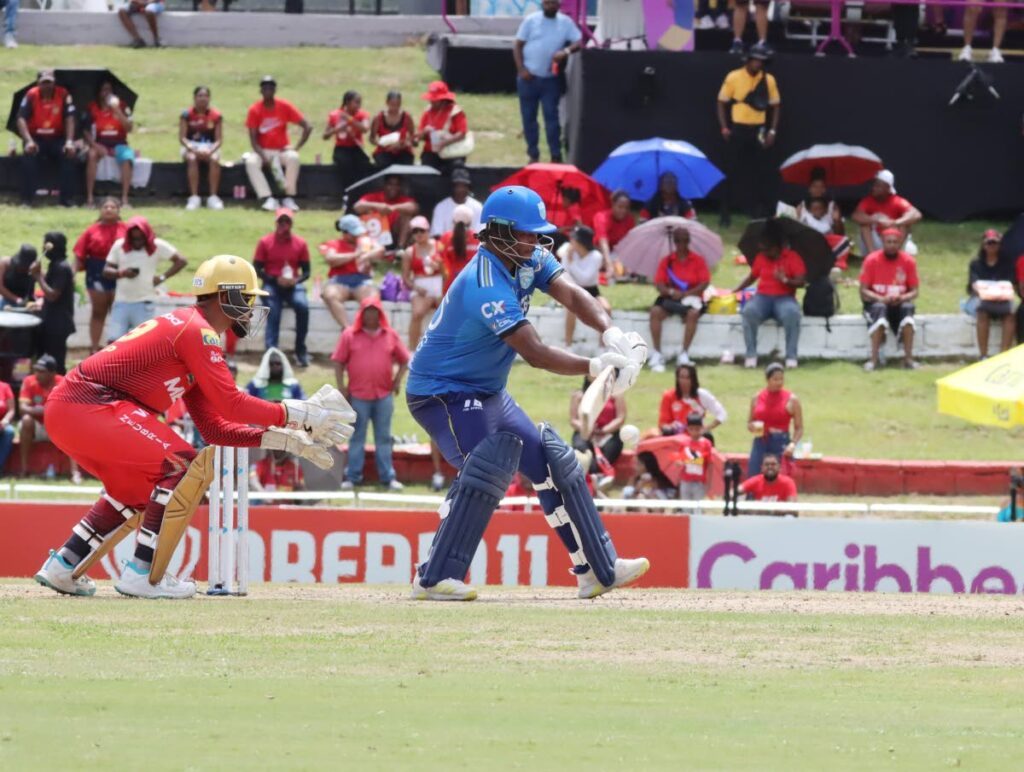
(365, 362)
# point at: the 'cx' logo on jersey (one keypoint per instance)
(174, 389)
(492, 308)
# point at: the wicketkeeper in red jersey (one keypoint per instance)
(106, 414)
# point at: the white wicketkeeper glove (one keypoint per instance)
(626, 371)
(326, 417)
(629, 344)
(297, 443)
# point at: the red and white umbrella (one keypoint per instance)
(843, 165)
(643, 247)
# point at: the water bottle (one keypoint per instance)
(287, 272)
(51, 472)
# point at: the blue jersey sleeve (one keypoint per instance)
(572, 32)
(495, 307)
(548, 270)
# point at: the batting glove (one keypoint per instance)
(629, 344)
(607, 359)
(297, 443)
(326, 417)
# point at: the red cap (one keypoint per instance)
(284, 212)
(892, 232)
(992, 235)
(438, 91)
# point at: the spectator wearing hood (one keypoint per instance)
(58, 305)
(882, 209)
(133, 262)
(17, 286)
(370, 362)
(274, 380)
(282, 262)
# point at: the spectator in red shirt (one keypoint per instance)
(459, 245)
(370, 362)
(32, 401)
(422, 272)
(610, 227)
(7, 405)
(442, 124)
(279, 471)
(772, 411)
(91, 251)
(770, 485)
(680, 279)
(348, 125)
(686, 399)
(267, 121)
(888, 288)
(46, 124)
(606, 436)
(201, 133)
(350, 259)
(693, 460)
(882, 209)
(393, 133)
(778, 272)
(391, 202)
(282, 263)
(108, 123)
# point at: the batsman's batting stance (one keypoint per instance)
(105, 415)
(456, 391)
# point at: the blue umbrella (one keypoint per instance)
(636, 167)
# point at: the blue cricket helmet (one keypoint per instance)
(519, 208)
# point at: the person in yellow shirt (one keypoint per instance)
(749, 106)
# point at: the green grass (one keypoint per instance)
(311, 78)
(359, 678)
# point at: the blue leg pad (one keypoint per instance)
(467, 510)
(577, 508)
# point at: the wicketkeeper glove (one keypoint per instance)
(297, 443)
(326, 417)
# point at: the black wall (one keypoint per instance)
(951, 162)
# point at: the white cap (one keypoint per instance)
(463, 214)
(887, 177)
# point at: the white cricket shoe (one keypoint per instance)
(627, 571)
(656, 361)
(56, 574)
(446, 589)
(193, 203)
(214, 202)
(965, 55)
(135, 584)
(289, 203)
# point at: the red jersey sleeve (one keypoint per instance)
(661, 274)
(912, 281)
(788, 488)
(703, 274)
(459, 124)
(867, 271)
(218, 389)
(665, 409)
(795, 265)
(215, 430)
(753, 485)
(252, 119)
(81, 248)
(341, 351)
(303, 251)
(260, 255)
(1020, 269)
(292, 114)
(399, 352)
(601, 225)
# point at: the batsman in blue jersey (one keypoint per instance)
(456, 391)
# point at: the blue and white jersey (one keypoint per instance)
(463, 349)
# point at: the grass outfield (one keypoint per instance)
(360, 678)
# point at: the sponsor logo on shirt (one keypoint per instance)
(492, 308)
(269, 124)
(472, 404)
(174, 389)
(170, 317)
(210, 338)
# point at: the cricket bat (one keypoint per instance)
(594, 399)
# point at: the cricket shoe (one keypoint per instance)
(134, 583)
(446, 589)
(56, 574)
(627, 571)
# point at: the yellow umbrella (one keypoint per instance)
(989, 392)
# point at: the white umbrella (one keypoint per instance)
(643, 247)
